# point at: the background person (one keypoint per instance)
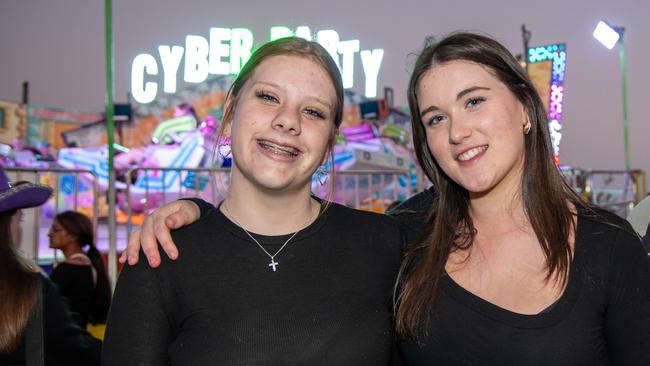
(33, 327)
(82, 276)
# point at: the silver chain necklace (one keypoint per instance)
(273, 263)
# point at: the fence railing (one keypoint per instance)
(614, 190)
(147, 188)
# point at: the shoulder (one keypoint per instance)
(600, 223)
(412, 214)
(69, 269)
(416, 204)
(201, 229)
(78, 261)
(610, 235)
(360, 218)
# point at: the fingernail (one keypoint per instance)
(173, 255)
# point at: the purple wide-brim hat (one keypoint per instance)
(21, 196)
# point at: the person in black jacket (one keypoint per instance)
(61, 341)
(272, 275)
(82, 277)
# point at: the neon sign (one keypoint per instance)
(227, 50)
(557, 54)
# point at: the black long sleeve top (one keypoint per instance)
(220, 303)
(75, 282)
(602, 318)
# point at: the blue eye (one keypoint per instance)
(435, 120)
(267, 97)
(472, 102)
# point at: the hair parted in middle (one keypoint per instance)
(290, 46)
(544, 193)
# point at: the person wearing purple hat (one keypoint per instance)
(36, 326)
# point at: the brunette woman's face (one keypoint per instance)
(474, 126)
(282, 124)
(59, 236)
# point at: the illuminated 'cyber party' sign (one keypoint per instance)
(227, 50)
(556, 54)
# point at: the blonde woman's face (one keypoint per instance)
(282, 124)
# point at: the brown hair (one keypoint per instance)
(544, 192)
(290, 46)
(18, 287)
(80, 226)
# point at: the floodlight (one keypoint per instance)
(610, 36)
(606, 34)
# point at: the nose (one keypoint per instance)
(459, 130)
(287, 120)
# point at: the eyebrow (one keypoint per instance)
(460, 94)
(314, 98)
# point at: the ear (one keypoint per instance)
(332, 140)
(524, 112)
(330, 145)
(228, 114)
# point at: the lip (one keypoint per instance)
(471, 154)
(278, 150)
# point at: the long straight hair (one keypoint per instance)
(18, 287)
(80, 226)
(545, 194)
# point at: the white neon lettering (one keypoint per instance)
(219, 50)
(329, 39)
(196, 59)
(143, 93)
(241, 47)
(371, 61)
(227, 50)
(279, 32)
(347, 49)
(170, 57)
(303, 32)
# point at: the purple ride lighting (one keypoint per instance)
(557, 54)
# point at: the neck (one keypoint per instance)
(269, 213)
(71, 250)
(499, 210)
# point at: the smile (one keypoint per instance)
(284, 150)
(471, 153)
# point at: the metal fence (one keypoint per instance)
(147, 188)
(615, 190)
(150, 187)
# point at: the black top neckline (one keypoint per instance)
(271, 240)
(547, 317)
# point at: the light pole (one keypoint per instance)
(610, 36)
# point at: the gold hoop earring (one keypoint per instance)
(527, 127)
